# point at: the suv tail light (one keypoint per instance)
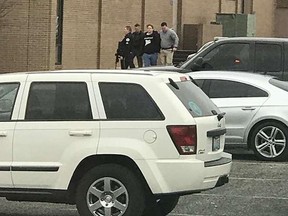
(184, 138)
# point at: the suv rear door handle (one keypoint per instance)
(3, 133)
(80, 133)
(248, 108)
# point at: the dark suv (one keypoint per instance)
(250, 54)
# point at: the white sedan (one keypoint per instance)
(256, 108)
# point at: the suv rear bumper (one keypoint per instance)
(185, 176)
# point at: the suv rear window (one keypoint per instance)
(128, 101)
(194, 99)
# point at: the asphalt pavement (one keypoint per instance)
(255, 188)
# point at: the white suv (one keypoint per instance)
(113, 142)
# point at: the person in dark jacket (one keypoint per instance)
(125, 49)
(151, 47)
(137, 45)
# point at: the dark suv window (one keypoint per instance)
(8, 92)
(127, 101)
(232, 89)
(195, 101)
(58, 101)
(234, 56)
(268, 58)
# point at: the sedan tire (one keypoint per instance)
(269, 141)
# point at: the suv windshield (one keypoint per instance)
(186, 63)
(194, 99)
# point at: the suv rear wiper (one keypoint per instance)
(193, 81)
(174, 84)
(219, 116)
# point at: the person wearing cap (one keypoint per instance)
(169, 44)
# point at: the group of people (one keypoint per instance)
(146, 47)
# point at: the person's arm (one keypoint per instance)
(157, 41)
(121, 47)
(131, 43)
(142, 43)
(175, 38)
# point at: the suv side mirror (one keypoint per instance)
(198, 64)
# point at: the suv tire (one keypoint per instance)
(270, 136)
(110, 189)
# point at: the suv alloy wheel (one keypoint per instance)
(110, 190)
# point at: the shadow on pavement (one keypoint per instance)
(244, 157)
(241, 153)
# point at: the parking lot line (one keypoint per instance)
(184, 215)
(240, 196)
(261, 162)
(257, 179)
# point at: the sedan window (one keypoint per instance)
(280, 84)
(233, 89)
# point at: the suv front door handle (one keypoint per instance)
(248, 108)
(80, 133)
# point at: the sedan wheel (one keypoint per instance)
(269, 141)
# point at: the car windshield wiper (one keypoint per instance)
(219, 116)
(193, 81)
(174, 84)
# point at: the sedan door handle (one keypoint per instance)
(3, 133)
(248, 108)
(80, 133)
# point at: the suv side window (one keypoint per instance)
(268, 57)
(8, 92)
(58, 101)
(233, 56)
(124, 101)
(232, 89)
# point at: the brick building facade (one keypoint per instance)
(88, 30)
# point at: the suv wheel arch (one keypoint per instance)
(95, 160)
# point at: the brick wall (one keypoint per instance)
(25, 37)
(265, 17)
(13, 39)
(80, 29)
(115, 16)
(28, 33)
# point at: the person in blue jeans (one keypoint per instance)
(151, 46)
